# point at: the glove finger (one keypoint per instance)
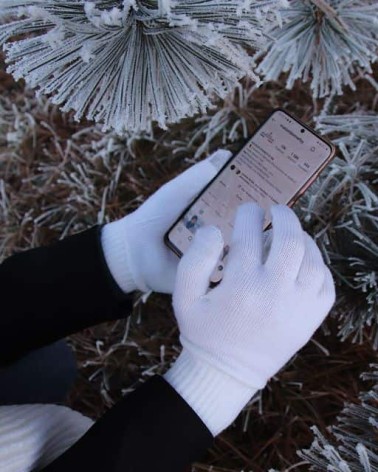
(327, 297)
(267, 243)
(218, 159)
(311, 273)
(288, 243)
(196, 266)
(176, 194)
(328, 289)
(246, 246)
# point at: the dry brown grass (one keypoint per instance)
(49, 169)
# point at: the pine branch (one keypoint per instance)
(353, 444)
(128, 66)
(325, 42)
(347, 192)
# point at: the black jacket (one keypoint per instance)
(51, 292)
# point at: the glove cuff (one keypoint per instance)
(216, 397)
(116, 254)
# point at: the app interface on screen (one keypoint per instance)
(271, 168)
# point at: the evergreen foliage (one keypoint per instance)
(327, 42)
(352, 445)
(129, 63)
(341, 209)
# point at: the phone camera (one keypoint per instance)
(302, 130)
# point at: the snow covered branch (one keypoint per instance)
(128, 64)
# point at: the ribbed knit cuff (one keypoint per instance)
(116, 255)
(216, 397)
(33, 436)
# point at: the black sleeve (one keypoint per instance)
(151, 429)
(50, 292)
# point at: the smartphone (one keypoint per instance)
(276, 165)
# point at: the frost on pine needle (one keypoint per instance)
(129, 65)
(347, 179)
(351, 127)
(67, 175)
(352, 445)
(228, 124)
(325, 42)
(342, 210)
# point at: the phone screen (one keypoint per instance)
(279, 161)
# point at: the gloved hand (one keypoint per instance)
(239, 334)
(133, 246)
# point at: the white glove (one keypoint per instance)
(239, 334)
(134, 247)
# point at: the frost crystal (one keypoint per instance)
(129, 64)
(353, 445)
(325, 42)
(347, 192)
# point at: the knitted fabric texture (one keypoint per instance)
(255, 320)
(32, 436)
(134, 246)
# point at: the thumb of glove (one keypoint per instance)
(195, 268)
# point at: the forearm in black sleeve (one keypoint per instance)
(151, 429)
(50, 292)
